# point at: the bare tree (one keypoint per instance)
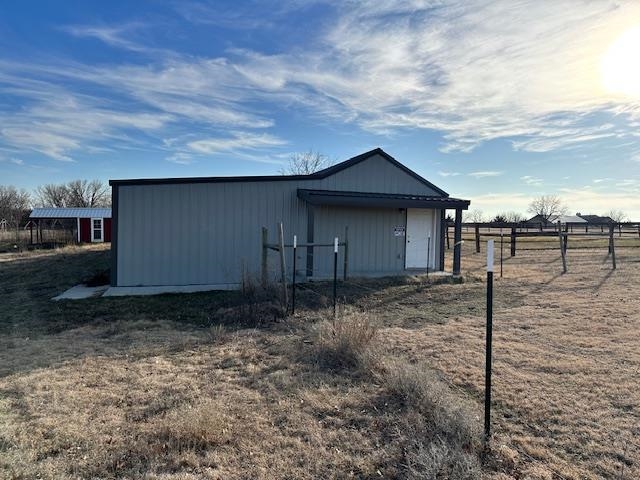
(305, 163)
(514, 217)
(82, 193)
(547, 206)
(617, 216)
(51, 195)
(14, 204)
(77, 193)
(474, 216)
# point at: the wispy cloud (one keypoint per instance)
(448, 174)
(15, 161)
(486, 173)
(532, 72)
(115, 36)
(180, 158)
(531, 180)
(475, 71)
(240, 141)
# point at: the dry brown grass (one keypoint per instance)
(345, 342)
(166, 388)
(441, 429)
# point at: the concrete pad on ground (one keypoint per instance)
(80, 292)
(161, 289)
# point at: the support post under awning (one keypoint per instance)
(457, 241)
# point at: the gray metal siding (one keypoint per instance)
(200, 233)
(209, 233)
(374, 174)
(373, 248)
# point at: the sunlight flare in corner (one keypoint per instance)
(621, 64)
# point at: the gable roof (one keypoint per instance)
(596, 219)
(319, 175)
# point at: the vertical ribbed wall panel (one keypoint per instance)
(204, 233)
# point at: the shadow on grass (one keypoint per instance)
(36, 332)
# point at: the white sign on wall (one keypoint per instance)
(398, 231)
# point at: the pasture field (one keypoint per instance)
(214, 385)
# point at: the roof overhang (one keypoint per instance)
(54, 213)
(382, 200)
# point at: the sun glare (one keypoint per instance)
(621, 65)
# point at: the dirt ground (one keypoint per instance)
(192, 386)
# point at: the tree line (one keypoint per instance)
(545, 207)
(15, 204)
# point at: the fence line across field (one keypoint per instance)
(557, 236)
(561, 233)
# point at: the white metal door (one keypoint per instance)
(419, 229)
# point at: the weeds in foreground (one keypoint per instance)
(442, 432)
(256, 305)
(195, 428)
(439, 432)
(346, 342)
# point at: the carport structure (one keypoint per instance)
(91, 225)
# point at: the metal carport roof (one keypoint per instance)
(375, 199)
(52, 212)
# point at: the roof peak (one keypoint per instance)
(276, 178)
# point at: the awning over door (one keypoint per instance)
(374, 199)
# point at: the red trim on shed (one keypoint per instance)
(107, 229)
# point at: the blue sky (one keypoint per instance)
(493, 101)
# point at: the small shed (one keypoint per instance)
(91, 225)
(208, 230)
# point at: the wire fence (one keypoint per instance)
(624, 438)
(349, 289)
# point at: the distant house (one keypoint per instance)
(541, 221)
(91, 225)
(568, 219)
(596, 219)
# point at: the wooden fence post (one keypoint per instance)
(612, 247)
(264, 273)
(283, 270)
(446, 222)
(513, 241)
(477, 238)
(562, 249)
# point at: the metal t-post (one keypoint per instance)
(293, 281)
(335, 274)
(428, 254)
(488, 354)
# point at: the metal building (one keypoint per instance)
(208, 230)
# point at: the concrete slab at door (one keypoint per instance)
(420, 226)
